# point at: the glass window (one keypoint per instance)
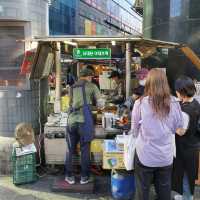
(88, 27)
(93, 28)
(194, 11)
(122, 11)
(62, 17)
(175, 8)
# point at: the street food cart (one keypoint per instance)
(89, 48)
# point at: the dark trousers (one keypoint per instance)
(159, 176)
(73, 138)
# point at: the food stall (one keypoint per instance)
(87, 48)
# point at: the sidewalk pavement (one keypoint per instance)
(41, 190)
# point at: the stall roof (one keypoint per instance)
(144, 45)
(89, 40)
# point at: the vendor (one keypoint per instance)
(80, 124)
(94, 78)
(117, 95)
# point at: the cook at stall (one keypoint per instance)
(80, 124)
(117, 95)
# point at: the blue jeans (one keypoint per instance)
(186, 189)
(73, 138)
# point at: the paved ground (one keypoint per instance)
(41, 190)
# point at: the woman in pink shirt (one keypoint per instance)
(155, 118)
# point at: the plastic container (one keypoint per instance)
(24, 168)
(122, 185)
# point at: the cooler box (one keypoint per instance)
(112, 156)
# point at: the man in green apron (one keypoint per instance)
(84, 94)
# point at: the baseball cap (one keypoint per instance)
(86, 72)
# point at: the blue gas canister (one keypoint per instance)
(122, 185)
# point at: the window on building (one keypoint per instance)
(175, 8)
(194, 11)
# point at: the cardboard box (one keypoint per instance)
(113, 158)
(113, 161)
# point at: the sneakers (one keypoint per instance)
(70, 180)
(85, 180)
(178, 197)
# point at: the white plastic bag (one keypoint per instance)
(186, 120)
(129, 152)
(174, 145)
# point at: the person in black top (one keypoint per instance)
(186, 163)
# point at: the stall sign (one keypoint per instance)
(100, 53)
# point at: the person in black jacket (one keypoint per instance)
(186, 163)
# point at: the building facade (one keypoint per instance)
(175, 21)
(62, 17)
(19, 97)
(94, 17)
(19, 20)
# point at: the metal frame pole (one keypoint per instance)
(57, 104)
(128, 68)
(78, 69)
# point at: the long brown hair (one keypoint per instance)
(157, 88)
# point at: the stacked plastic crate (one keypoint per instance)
(24, 168)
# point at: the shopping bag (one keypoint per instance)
(174, 145)
(129, 151)
(186, 120)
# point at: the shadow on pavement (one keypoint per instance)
(101, 189)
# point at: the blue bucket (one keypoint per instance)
(122, 185)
